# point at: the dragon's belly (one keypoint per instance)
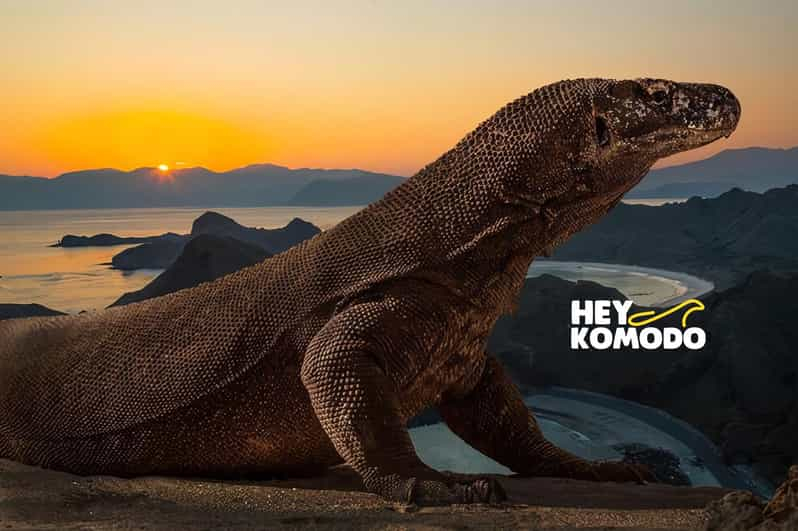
(262, 424)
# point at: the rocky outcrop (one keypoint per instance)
(742, 511)
(158, 254)
(741, 389)
(272, 240)
(16, 311)
(161, 253)
(204, 258)
(722, 239)
(109, 240)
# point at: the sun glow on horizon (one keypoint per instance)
(163, 167)
(380, 86)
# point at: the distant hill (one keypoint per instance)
(256, 185)
(355, 191)
(721, 239)
(755, 169)
(204, 258)
(110, 240)
(160, 251)
(272, 240)
(17, 311)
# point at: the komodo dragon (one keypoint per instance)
(321, 354)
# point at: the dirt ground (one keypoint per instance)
(32, 498)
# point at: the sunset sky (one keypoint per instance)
(378, 85)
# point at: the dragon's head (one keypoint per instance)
(557, 159)
(578, 146)
(633, 123)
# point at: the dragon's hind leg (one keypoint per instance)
(494, 419)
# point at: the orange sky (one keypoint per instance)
(384, 86)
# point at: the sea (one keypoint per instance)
(72, 280)
(80, 278)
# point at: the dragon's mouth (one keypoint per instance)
(688, 137)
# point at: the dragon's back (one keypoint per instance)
(83, 375)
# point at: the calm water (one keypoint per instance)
(655, 202)
(75, 279)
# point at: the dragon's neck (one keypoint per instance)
(458, 224)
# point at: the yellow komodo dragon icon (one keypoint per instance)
(649, 316)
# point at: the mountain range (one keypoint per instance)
(722, 239)
(754, 169)
(256, 185)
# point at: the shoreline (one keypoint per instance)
(701, 446)
(591, 425)
(683, 286)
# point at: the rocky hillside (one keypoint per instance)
(741, 389)
(206, 257)
(722, 239)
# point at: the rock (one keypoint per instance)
(16, 311)
(784, 504)
(204, 258)
(107, 240)
(272, 240)
(742, 511)
(737, 511)
(33, 498)
(158, 254)
(161, 253)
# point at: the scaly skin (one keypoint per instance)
(321, 354)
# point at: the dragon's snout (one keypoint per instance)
(710, 108)
(682, 116)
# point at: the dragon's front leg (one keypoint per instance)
(493, 418)
(356, 404)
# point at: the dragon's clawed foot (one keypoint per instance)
(433, 488)
(482, 490)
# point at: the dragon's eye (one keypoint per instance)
(602, 132)
(659, 97)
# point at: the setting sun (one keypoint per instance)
(163, 167)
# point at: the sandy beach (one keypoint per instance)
(646, 286)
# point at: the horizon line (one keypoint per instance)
(184, 168)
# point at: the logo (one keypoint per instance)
(605, 324)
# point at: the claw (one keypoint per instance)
(485, 490)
